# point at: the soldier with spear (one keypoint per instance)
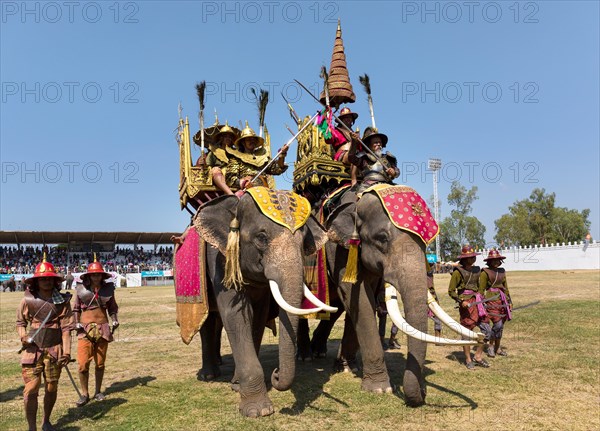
(374, 166)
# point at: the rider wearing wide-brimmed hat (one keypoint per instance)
(217, 158)
(247, 158)
(94, 302)
(370, 168)
(342, 146)
(464, 289)
(47, 344)
(492, 282)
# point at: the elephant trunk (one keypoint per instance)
(283, 377)
(284, 265)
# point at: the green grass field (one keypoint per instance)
(550, 380)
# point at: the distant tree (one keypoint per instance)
(460, 228)
(537, 221)
(569, 225)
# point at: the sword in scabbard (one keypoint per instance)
(287, 144)
(493, 298)
(30, 339)
(482, 302)
(384, 163)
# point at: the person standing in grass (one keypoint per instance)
(94, 302)
(464, 289)
(47, 345)
(437, 323)
(492, 282)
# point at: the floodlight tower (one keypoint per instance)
(435, 165)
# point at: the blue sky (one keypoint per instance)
(505, 93)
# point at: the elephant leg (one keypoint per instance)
(360, 302)
(210, 368)
(318, 344)
(346, 359)
(217, 334)
(414, 381)
(261, 314)
(304, 345)
(237, 321)
(237, 315)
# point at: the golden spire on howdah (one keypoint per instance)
(340, 88)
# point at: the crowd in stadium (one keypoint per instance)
(23, 259)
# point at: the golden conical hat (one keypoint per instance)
(340, 88)
(248, 133)
(225, 130)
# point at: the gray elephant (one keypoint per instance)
(387, 254)
(256, 255)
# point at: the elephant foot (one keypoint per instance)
(416, 400)
(257, 406)
(304, 356)
(342, 365)
(208, 375)
(376, 387)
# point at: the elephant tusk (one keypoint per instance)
(391, 301)
(449, 321)
(287, 307)
(316, 301)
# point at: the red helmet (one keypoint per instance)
(494, 254)
(95, 268)
(467, 251)
(44, 269)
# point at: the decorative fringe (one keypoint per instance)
(233, 272)
(351, 274)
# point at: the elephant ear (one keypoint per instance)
(213, 219)
(315, 236)
(340, 223)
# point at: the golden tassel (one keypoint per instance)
(233, 272)
(351, 274)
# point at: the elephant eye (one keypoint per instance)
(262, 240)
(382, 238)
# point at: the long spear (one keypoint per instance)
(366, 147)
(285, 147)
(292, 111)
(200, 91)
(364, 80)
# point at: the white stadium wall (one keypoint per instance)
(551, 257)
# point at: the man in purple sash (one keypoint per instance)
(492, 282)
(464, 289)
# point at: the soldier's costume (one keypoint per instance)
(244, 164)
(370, 170)
(492, 282)
(437, 323)
(217, 159)
(47, 344)
(464, 287)
(93, 304)
(342, 145)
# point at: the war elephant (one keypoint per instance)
(391, 256)
(255, 257)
